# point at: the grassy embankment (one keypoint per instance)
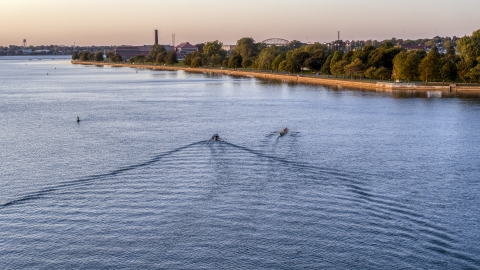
(307, 77)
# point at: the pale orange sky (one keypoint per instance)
(110, 22)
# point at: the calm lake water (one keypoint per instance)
(363, 180)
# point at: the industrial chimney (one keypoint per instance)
(156, 37)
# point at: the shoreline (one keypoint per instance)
(372, 86)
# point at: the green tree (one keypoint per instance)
(469, 47)
(246, 47)
(474, 74)
(296, 60)
(139, 59)
(294, 44)
(463, 69)
(196, 62)
(387, 44)
(382, 57)
(405, 64)
(317, 50)
(448, 72)
(235, 61)
(84, 56)
(266, 57)
(314, 63)
(337, 57)
(110, 54)
(348, 56)
(364, 53)
(155, 50)
(339, 68)
(171, 58)
(354, 68)
(469, 54)
(116, 58)
(370, 72)
(212, 48)
(206, 61)
(382, 72)
(282, 65)
(247, 62)
(450, 53)
(276, 62)
(326, 67)
(187, 61)
(216, 60)
(75, 56)
(98, 56)
(429, 66)
(161, 58)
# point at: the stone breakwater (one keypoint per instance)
(365, 85)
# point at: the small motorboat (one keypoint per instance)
(283, 131)
(215, 137)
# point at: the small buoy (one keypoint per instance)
(78, 119)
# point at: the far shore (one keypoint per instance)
(382, 86)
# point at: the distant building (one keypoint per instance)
(145, 49)
(414, 47)
(185, 48)
(127, 52)
(228, 48)
(169, 48)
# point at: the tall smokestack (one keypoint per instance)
(156, 37)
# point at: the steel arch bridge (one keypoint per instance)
(276, 42)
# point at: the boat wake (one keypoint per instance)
(95, 177)
(386, 215)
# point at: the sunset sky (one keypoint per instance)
(118, 22)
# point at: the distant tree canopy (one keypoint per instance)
(98, 56)
(116, 58)
(155, 50)
(213, 48)
(187, 61)
(160, 59)
(86, 56)
(436, 59)
(171, 58)
(246, 48)
(75, 56)
(406, 64)
(110, 54)
(469, 63)
(235, 61)
(429, 67)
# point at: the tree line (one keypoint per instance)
(386, 61)
(370, 60)
(88, 56)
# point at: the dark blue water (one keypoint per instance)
(363, 180)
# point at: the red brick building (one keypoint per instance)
(127, 52)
